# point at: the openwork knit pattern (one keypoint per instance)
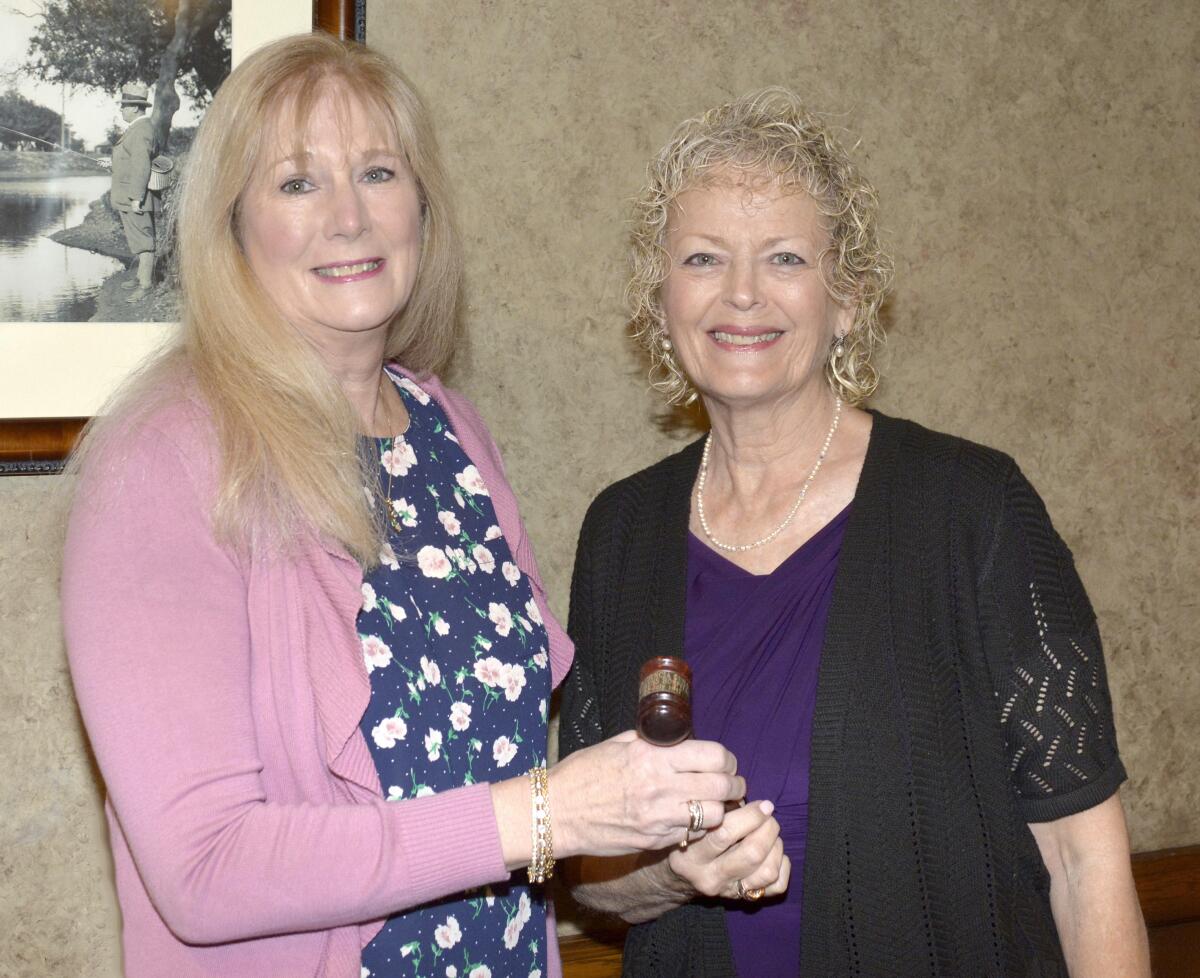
(961, 695)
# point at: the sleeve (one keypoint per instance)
(158, 638)
(579, 721)
(1044, 653)
(139, 161)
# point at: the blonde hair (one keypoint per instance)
(286, 434)
(767, 133)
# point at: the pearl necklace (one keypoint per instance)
(738, 548)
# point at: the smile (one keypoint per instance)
(355, 270)
(745, 339)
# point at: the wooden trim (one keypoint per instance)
(37, 446)
(1168, 885)
(335, 17)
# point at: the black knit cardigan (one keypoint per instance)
(961, 695)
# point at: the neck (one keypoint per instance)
(759, 445)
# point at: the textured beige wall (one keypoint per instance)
(1039, 166)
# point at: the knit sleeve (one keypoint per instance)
(1044, 651)
(579, 723)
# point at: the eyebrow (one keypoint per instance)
(769, 243)
(299, 159)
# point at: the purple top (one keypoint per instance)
(754, 644)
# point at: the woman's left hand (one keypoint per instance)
(742, 855)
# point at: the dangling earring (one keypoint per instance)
(839, 349)
(666, 344)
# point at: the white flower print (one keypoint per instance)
(511, 572)
(460, 715)
(512, 678)
(483, 557)
(524, 623)
(458, 498)
(451, 971)
(489, 896)
(433, 562)
(531, 609)
(450, 435)
(501, 617)
(433, 744)
(459, 556)
(524, 908)
(450, 522)
(503, 750)
(387, 557)
(423, 791)
(406, 512)
(398, 613)
(536, 973)
(470, 479)
(480, 971)
(395, 793)
(540, 658)
(364, 972)
(488, 671)
(542, 709)
(441, 626)
(484, 643)
(387, 732)
(493, 533)
(398, 459)
(447, 934)
(414, 390)
(368, 594)
(512, 932)
(376, 654)
(431, 671)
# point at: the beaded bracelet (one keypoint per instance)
(541, 862)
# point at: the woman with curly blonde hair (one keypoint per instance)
(882, 625)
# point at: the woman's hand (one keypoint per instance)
(745, 848)
(624, 794)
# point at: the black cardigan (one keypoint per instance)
(961, 695)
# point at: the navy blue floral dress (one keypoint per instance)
(460, 678)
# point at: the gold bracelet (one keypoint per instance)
(541, 861)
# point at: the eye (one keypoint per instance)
(378, 174)
(700, 260)
(787, 258)
(295, 185)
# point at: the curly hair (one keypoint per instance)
(768, 133)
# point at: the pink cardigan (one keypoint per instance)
(222, 697)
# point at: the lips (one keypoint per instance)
(735, 338)
(350, 270)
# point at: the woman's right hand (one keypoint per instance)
(624, 795)
(745, 848)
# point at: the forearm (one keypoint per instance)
(1099, 921)
(636, 888)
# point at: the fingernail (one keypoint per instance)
(767, 807)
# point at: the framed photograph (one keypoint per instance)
(86, 170)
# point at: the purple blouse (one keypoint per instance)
(754, 644)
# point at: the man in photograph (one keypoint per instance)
(130, 180)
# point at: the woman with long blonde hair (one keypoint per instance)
(306, 629)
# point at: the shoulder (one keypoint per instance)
(936, 456)
(649, 489)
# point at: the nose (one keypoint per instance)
(742, 285)
(347, 215)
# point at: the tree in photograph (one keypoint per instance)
(104, 44)
(29, 119)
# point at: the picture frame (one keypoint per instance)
(54, 376)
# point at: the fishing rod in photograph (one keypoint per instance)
(28, 135)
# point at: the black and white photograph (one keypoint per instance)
(99, 103)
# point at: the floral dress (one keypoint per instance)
(460, 677)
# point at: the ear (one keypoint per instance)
(843, 317)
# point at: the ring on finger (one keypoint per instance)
(695, 816)
(753, 893)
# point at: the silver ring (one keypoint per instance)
(741, 890)
(695, 816)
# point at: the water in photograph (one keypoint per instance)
(41, 280)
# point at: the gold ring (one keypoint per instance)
(695, 816)
(755, 893)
